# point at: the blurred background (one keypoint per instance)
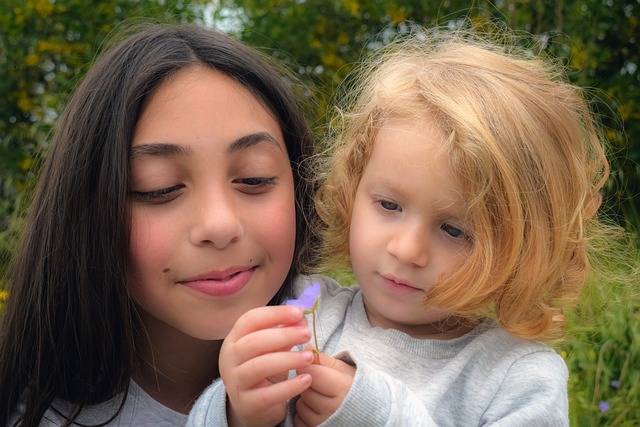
(47, 45)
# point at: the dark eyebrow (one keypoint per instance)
(251, 140)
(162, 150)
(170, 150)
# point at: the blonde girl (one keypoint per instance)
(462, 188)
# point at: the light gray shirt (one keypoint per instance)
(140, 409)
(486, 377)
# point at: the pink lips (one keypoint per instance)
(221, 283)
(398, 286)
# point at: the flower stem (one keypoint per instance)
(316, 351)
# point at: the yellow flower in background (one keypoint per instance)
(32, 59)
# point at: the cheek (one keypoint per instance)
(363, 228)
(361, 238)
(148, 243)
(274, 226)
(453, 258)
(282, 233)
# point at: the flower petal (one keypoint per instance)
(307, 301)
(604, 406)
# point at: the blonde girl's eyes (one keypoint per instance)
(455, 232)
(388, 205)
(452, 231)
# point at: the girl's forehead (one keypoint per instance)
(202, 109)
(206, 80)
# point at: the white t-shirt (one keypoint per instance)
(140, 409)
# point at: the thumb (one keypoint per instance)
(328, 361)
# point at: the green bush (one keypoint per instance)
(602, 352)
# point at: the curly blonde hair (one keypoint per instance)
(528, 152)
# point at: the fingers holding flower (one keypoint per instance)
(255, 359)
(308, 302)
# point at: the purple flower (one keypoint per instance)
(308, 301)
(604, 406)
(615, 383)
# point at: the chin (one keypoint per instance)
(209, 331)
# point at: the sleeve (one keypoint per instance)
(533, 393)
(377, 399)
(210, 409)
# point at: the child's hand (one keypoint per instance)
(332, 379)
(254, 362)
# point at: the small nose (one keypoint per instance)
(217, 221)
(410, 246)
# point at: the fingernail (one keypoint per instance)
(304, 378)
(305, 333)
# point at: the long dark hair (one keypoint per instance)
(69, 328)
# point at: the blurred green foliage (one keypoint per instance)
(602, 350)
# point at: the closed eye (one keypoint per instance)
(157, 196)
(255, 185)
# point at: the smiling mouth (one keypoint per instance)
(219, 276)
(223, 285)
(222, 279)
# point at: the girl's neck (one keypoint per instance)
(444, 327)
(172, 367)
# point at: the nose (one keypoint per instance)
(217, 221)
(410, 245)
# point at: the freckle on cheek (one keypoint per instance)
(166, 270)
